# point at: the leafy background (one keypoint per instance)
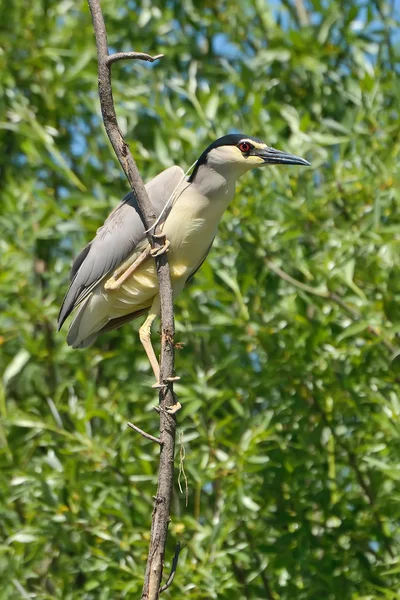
(290, 387)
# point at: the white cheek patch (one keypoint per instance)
(224, 155)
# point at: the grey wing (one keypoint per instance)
(116, 240)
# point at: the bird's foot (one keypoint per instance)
(121, 275)
(159, 386)
(170, 410)
(158, 251)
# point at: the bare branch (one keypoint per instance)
(148, 436)
(161, 511)
(121, 149)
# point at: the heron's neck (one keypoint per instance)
(215, 185)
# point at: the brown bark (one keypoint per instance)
(161, 511)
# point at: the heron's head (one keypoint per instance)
(237, 153)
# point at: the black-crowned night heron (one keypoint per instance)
(114, 279)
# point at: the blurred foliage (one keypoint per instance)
(290, 387)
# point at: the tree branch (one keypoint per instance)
(148, 436)
(112, 58)
(302, 13)
(121, 148)
(351, 456)
(331, 296)
(160, 518)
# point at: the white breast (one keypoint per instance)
(191, 227)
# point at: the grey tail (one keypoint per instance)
(112, 324)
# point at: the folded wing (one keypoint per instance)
(116, 240)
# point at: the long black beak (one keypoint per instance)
(271, 156)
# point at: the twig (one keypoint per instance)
(112, 58)
(333, 298)
(148, 436)
(170, 579)
(160, 517)
(121, 148)
(302, 13)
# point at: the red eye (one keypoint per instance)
(244, 147)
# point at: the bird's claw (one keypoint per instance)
(158, 251)
(158, 385)
(111, 284)
(170, 410)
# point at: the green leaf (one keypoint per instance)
(16, 365)
(353, 330)
(22, 537)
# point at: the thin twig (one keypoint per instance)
(112, 58)
(351, 456)
(178, 548)
(148, 436)
(121, 148)
(162, 505)
(302, 13)
(354, 313)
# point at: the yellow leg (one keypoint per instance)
(119, 276)
(145, 337)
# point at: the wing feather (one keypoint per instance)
(116, 240)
